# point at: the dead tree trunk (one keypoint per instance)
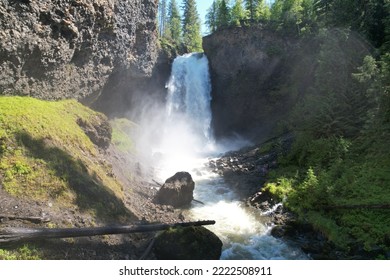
(36, 220)
(28, 234)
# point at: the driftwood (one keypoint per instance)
(30, 219)
(198, 201)
(367, 206)
(28, 234)
(148, 249)
(157, 183)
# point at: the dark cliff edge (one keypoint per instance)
(250, 69)
(73, 48)
(123, 94)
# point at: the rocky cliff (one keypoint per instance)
(249, 68)
(70, 48)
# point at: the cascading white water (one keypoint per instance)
(185, 145)
(186, 132)
(189, 94)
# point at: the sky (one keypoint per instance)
(202, 7)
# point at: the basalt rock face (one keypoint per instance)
(70, 48)
(248, 65)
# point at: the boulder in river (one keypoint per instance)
(191, 243)
(177, 190)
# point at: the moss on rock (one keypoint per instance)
(191, 243)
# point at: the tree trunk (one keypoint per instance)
(30, 219)
(28, 234)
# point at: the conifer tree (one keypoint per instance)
(223, 15)
(251, 5)
(191, 26)
(162, 17)
(257, 9)
(174, 22)
(289, 14)
(237, 13)
(263, 10)
(211, 16)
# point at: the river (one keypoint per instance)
(187, 144)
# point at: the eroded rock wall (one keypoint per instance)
(249, 66)
(69, 48)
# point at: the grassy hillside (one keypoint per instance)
(46, 155)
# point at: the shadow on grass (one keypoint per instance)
(120, 247)
(91, 194)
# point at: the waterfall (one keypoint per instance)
(185, 145)
(186, 128)
(189, 94)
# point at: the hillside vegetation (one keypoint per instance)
(336, 176)
(47, 153)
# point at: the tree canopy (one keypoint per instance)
(184, 30)
(192, 37)
(174, 22)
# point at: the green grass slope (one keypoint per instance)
(45, 155)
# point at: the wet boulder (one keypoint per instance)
(177, 190)
(190, 243)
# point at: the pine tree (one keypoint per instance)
(191, 26)
(237, 13)
(211, 16)
(223, 15)
(251, 5)
(174, 22)
(277, 11)
(289, 14)
(257, 9)
(162, 17)
(263, 11)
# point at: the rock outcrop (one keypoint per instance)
(248, 66)
(177, 190)
(70, 48)
(192, 243)
(98, 129)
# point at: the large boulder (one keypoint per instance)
(177, 191)
(191, 243)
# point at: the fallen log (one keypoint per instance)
(8, 235)
(36, 220)
(198, 201)
(148, 249)
(157, 183)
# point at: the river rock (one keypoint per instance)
(177, 190)
(191, 243)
